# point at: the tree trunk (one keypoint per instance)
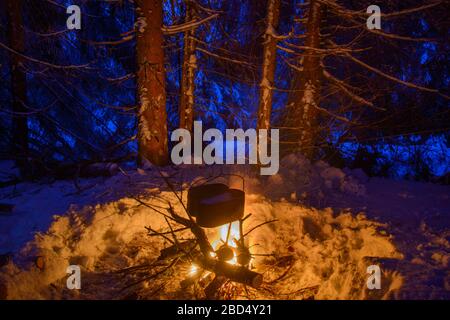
(302, 105)
(269, 65)
(152, 130)
(186, 111)
(18, 85)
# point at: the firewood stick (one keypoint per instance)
(199, 233)
(153, 208)
(212, 289)
(232, 272)
(155, 275)
(260, 225)
(168, 232)
(154, 232)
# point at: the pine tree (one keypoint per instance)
(269, 65)
(304, 100)
(152, 131)
(18, 83)
(186, 112)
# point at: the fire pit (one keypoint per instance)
(211, 206)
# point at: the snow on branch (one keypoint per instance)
(411, 10)
(48, 64)
(126, 77)
(399, 37)
(343, 86)
(114, 42)
(297, 68)
(225, 51)
(49, 34)
(207, 10)
(29, 113)
(387, 76)
(241, 62)
(328, 51)
(338, 117)
(362, 13)
(170, 30)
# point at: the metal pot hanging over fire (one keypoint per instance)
(215, 204)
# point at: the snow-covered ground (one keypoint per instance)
(332, 224)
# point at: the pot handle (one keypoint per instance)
(206, 180)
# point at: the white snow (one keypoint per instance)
(332, 224)
(141, 24)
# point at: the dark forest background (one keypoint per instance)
(380, 97)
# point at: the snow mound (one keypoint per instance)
(307, 253)
(310, 183)
(330, 252)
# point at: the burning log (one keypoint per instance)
(213, 288)
(206, 258)
(236, 273)
(222, 269)
(232, 272)
(225, 253)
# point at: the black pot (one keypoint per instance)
(198, 193)
(215, 204)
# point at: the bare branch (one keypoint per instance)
(387, 76)
(48, 64)
(171, 30)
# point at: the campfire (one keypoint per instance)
(219, 253)
(195, 239)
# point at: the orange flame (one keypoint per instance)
(234, 235)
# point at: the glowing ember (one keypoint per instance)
(227, 237)
(232, 236)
